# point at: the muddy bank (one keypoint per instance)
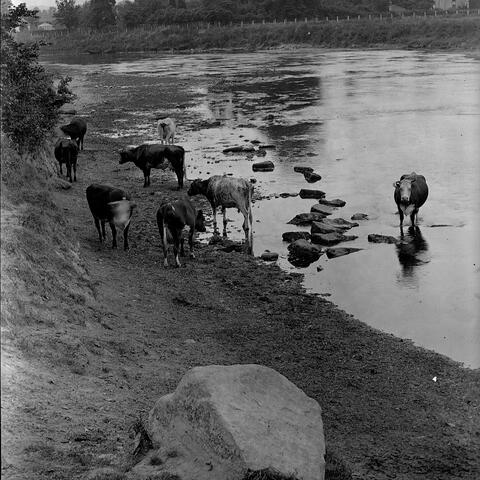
(390, 409)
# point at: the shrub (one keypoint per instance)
(29, 101)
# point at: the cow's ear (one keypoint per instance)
(396, 184)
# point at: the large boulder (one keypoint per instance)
(312, 177)
(301, 169)
(322, 227)
(359, 216)
(223, 421)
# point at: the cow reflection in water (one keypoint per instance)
(412, 251)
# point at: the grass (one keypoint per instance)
(431, 32)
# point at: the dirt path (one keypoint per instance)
(383, 413)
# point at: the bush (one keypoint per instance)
(29, 101)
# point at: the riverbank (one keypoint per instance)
(429, 33)
(102, 334)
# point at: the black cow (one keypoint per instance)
(172, 217)
(112, 205)
(76, 130)
(66, 152)
(148, 156)
(410, 194)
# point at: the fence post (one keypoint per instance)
(306, 20)
(369, 16)
(326, 19)
(337, 19)
(295, 20)
(285, 21)
(435, 13)
(381, 17)
(359, 17)
(348, 17)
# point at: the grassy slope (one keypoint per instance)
(434, 33)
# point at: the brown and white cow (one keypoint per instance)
(410, 194)
(172, 217)
(166, 130)
(112, 205)
(227, 192)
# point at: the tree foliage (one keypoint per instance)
(101, 13)
(68, 13)
(30, 102)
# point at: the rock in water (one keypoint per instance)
(329, 239)
(359, 216)
(303, 253)
(306, 218)
(266, 166)
(376, 238)
(300, 169)
(340, 251)
(312, 177)
(305, 193)
(292, 236)
(336, 202)
(324, 209)
(224, 420)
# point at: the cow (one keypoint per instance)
(66, 152)
(166, 130)
(410, 194)
(76, 130)
(148, 156)
(172, 217)
(227, 192)
(112, 205)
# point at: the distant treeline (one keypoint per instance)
(411, 32)
(130, 14)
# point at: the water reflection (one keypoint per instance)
(412, 251)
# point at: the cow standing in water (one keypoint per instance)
(227, 192)
(148, 156)
(112, 205)
(410, 194)
(66, 152)
(172, 218)
(76, 130)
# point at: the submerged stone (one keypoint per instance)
(306, 218)
(292, 236)
(312, 177)
(376, 238)
(306, 193)
(324, 209)
(335, 252)
(331, 238)
(266, 166)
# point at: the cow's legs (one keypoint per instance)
(224, 213)
(125, 237)
(97, 224)
(114, 235)
(146, 174)
(163, 232)
(214, 212)
(75, 171)
(179, 178)
(400, 212)
(413, 217)
(176, 245)
(61, 168)
(104, 235)
(190, 241)
(69, 171)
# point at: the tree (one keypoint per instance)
(102, 13)
(68, 13)
(29, 100)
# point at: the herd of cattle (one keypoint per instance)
(113, 205)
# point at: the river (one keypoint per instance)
(360, 119)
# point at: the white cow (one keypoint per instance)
(227, 192)
(166, 130)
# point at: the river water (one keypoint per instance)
(361, 120)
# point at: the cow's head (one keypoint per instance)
(125, 155)
(197, 187)
(404, 185)
(200, 222)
